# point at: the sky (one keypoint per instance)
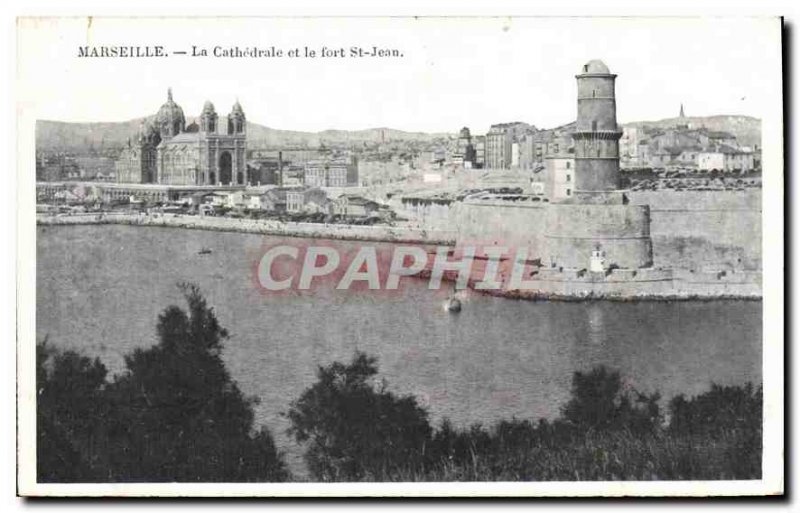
(453, 71)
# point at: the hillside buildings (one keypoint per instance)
(725, 159)
(502, 145)
(680, 145)
(641, 146)
(341, 172)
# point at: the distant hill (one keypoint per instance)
(59, 135)
(746, 129)
(80, 137)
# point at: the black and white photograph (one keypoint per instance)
(413, 256)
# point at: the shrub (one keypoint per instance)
(355, 429)
(598, 402)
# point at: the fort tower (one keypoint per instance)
(596, 133)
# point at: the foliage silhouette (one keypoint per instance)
(69, 400)
(355, 429)
(174, 414)
(599, 402)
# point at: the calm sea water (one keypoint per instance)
(101, 288)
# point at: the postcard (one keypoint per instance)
(396, 256)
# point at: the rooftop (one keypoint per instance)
(595, 67)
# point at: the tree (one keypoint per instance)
(355, 429)
(175, 414)
(599, 402)
(182, 417)
(69, 400)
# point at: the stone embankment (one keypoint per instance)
(373, 233)
(651, 284)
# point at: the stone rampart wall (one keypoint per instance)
(693, 230)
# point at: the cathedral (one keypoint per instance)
(210, 151)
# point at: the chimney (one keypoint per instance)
(280, 168)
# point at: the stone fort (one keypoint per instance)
(593, 228)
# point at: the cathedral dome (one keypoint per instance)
(595, 67)
(208, 108)
(170, 111)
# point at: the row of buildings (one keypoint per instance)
(309, 167)
(212, 151)
(685, 146)
(519, 145)
(209, 201)
(292, 200)
(515, 145)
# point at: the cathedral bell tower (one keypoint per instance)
(596, 135)
(237, 123)
(208, 119)
(237, 133)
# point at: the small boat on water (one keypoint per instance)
(204, 251)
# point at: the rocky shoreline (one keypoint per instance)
(680, 288)
(591, 296)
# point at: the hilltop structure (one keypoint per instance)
(207, 152)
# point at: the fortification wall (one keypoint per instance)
(702, 229)
(501, 223)
(561, 235)
(690, 229)
(431, 215)
(598, 221)
(574, 231)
